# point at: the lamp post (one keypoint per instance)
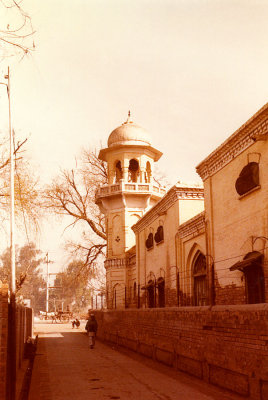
(12, 310)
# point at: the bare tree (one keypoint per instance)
(16, 30)
(72, 194)
(27, 204)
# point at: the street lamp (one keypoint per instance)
(12, 326)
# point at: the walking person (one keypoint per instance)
(91, 328)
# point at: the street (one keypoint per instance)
(65, 368)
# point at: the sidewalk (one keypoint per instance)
(65, 368)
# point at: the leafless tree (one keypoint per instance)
(27, 204)
(72, 194)
(16, 30)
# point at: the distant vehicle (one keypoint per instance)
(64, 315)
(45, 315)
(56, 316)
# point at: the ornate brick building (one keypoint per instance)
(192, 245)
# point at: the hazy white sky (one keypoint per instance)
(190, 71)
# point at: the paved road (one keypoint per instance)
(65, 368)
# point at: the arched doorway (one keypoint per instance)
(178, 288)
(151, 294)
(200, 280)
(161, 292)
(254, 278)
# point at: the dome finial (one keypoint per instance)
(128, 121)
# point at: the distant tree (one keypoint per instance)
(16, 30)
(72, 286)
(29, 282)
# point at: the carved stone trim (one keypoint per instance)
(117, 263)
(240, 140)
(120, 263)
(193, 227)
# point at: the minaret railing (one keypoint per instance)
(129, 187)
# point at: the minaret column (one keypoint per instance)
(142, 175)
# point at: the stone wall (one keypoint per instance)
(224, 345)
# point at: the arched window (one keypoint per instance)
(133, 170)
(200, 280)
(178, 288)
(118, 171)
(149, 242)
(248, 178)
(159, 235)
(254, 278)
(161, 292)
(148, 172)
(134, 290)
(151, 294)
(114, 297)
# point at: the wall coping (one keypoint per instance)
(193, 226)
(217, 308)
(180, 191)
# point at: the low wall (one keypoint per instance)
(24, 329)
(24, 326)
(3, 338)
(224, 345)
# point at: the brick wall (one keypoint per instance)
(224, 345)
(229, 294)
(3, 337)
(23, 330)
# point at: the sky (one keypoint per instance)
(190, 71)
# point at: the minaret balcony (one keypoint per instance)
(131, 188)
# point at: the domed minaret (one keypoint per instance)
(131, 191)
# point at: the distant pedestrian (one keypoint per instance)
(76, 323)
(91, 328)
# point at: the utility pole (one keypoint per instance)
(47, 294)
(12, 250)
(11, 387)
(47, 282)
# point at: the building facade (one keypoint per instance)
(194, 245)
(235, 180)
